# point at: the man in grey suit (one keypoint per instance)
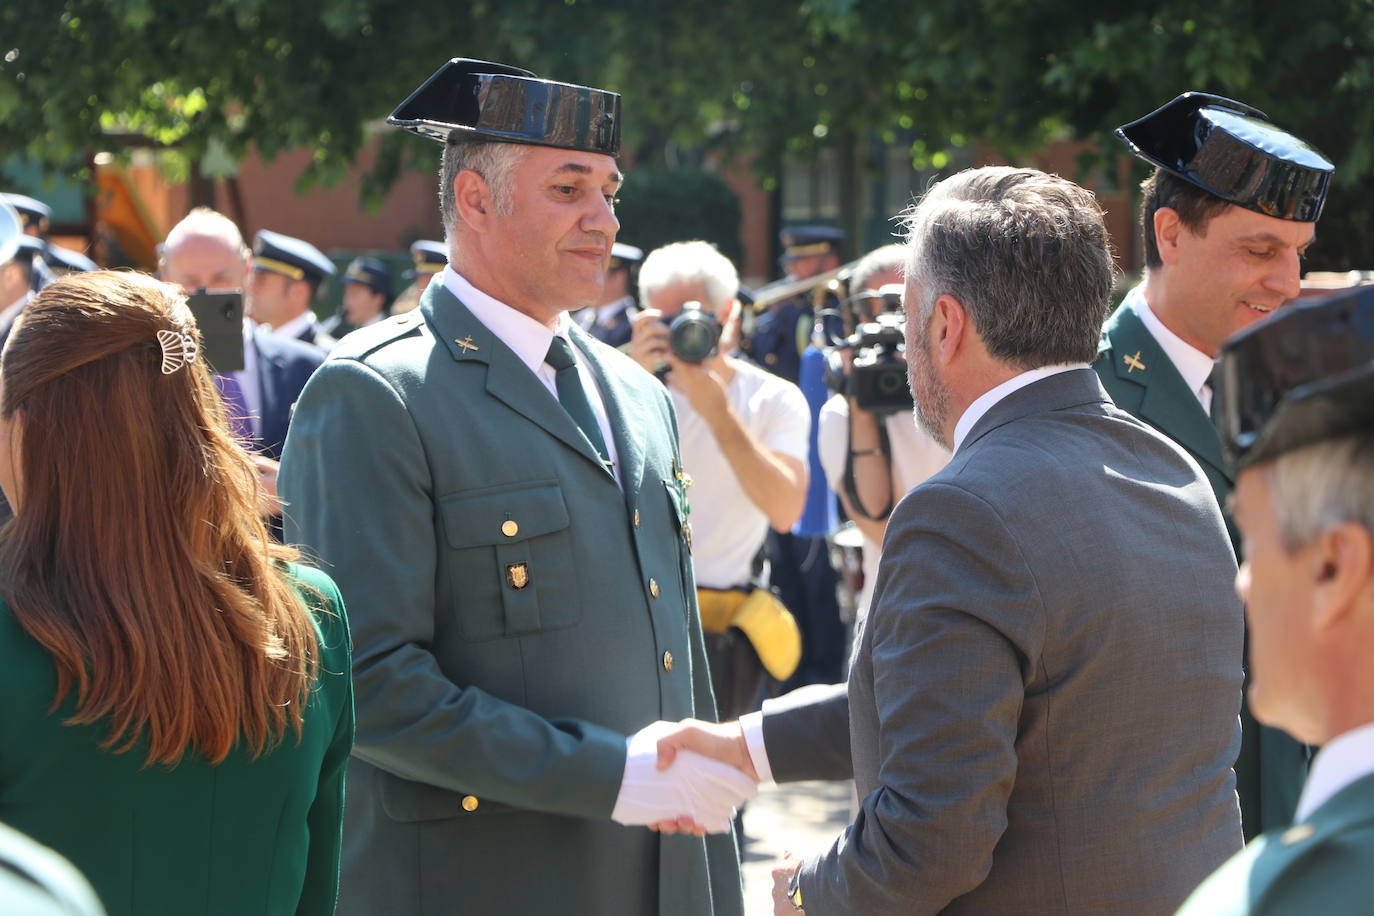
(501, 500)
(1042, 711)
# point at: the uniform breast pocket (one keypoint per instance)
(511, 566)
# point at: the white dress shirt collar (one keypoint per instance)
(1191, 363)
(527, 338)
(978, 408)
(297, 326)
(1345, 759)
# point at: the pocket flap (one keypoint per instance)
(503, 515)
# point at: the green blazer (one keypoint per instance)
(1142, 380)
(244, 837)
(515, 615)
(1321, 866)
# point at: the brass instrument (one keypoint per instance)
(819, 285)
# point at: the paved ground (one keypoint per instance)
(801, 817)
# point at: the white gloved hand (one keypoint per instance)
(694, 786)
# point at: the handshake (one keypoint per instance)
(689, 777)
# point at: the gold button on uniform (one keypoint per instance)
(636, 518)
(667, 661)
(470, 802)
(653, 587)
(509, 528)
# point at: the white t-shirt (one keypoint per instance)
(727, 528)
(915, 457)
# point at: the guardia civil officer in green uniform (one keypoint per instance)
(1226, 217)
(1298, 417)
(513, 546)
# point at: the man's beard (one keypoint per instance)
(929, 394)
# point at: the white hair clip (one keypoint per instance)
(178, 349)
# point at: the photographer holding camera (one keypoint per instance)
(870, 446)
(743, 434)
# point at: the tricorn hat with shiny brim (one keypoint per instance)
(474, 98)
(1300, 376)
(1233, 151)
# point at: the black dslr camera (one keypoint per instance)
(877, 376)
(694, 334)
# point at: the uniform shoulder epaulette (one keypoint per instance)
(365, 341)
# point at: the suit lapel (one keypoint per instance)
(628, 422)
(508, 379)
(1168, 403)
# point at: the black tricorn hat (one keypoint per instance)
(1302, 375)
(509, 105)
(1233, 151)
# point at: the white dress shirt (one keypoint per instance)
(1345, 759)
(1191, 363)
(529, 341)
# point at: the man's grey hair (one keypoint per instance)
(878, 261)
(495, 162)
(1024, 252)
(1321, 485)
(689, 262)
(202, 221)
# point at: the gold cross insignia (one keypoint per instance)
(1133, 363)
(467, 344)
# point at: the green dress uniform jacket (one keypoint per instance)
(1321, 866)
(515, 616)
(1143, 381)
(239, 838)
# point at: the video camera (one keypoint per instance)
(877, 376)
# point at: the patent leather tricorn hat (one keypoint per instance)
(1302, 375)
(495, 102)
(1233, 151)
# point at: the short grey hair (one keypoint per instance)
(878, 261)
(1026, 253)
(1321, 485)
(495, 162)
(202, 221)
(690, 262)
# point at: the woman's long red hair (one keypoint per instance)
(137, 557)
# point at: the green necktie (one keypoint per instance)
(573, 397)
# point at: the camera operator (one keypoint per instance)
(873, 451)
(743, 434)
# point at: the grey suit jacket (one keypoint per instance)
(1042, 711)
(514, 616)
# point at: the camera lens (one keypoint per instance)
(694, 334)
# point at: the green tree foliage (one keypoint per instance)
(767, 76)
(659, 206)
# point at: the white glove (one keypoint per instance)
(694, 786)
